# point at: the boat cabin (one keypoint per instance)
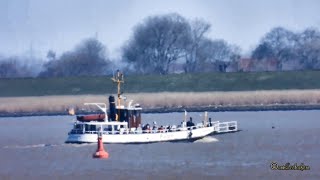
(95, 127)
(130, 114)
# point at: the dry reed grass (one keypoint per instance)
(164, 99)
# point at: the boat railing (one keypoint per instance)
(139, 130)
(224, 127)
(174, 129)
(91, 132)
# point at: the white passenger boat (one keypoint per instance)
(122, 124)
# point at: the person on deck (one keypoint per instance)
(190, 123)
(210, 122)
(154, 125)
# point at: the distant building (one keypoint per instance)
(271, 65)
(217, 66)
(245, 64)
(291, 65)
(176, 68)
(249, 64)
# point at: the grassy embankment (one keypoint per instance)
(173, 91)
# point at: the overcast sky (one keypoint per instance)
(61, 24)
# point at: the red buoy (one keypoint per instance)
(100, 153)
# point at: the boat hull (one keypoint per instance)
(186, 135)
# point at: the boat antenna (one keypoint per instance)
(118, 78)
(185, 118)
(185, 115)
(205, 118)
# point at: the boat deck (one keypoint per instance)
(218, 128)
(225, 127)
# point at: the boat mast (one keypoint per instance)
(118, 78)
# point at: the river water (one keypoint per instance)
(33, 148)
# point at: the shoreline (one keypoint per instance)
(278, 107)
(165, 102)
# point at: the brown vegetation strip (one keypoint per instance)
(165, 100)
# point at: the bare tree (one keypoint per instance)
(8, 68)
(157, 43)
(198, 30)
(51, 55)
(275, 46)
(88, 59)
(279, 38)
(215, 55)
(13, 67)
(264, 50)
(308, 50)
(301, 50)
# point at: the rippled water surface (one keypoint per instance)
(33, 148)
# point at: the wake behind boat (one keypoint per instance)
(122, 124)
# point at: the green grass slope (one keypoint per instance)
(152, 83)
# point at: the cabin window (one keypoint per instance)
(116, 127)
(93, 128)
(129, 113)
(77, 126)
(109, 128)
(123, 115)
(138, 114)
(90, 127)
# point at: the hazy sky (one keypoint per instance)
(61, 24)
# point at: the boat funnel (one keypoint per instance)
(112, 108)
(100, 153)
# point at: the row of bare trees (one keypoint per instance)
(288, 50)
(161, 42)
(87, 59)
(170, 43)
(17, 67)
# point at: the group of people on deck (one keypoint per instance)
(190, 123)
(154, 128)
